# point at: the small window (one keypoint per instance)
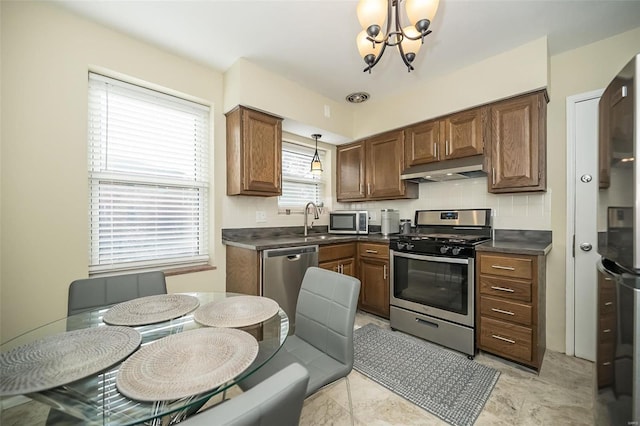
(148, 178)
(299, 186)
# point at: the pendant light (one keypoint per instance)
(316, 165)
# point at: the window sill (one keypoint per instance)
(188, 270)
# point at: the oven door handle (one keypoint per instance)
(463, 261)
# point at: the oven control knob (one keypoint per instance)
(444, 249)
(410, 246)
(455, 251)
(401, 245)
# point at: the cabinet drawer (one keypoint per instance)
(378, 251)
(507, 289)
(607, 300)
(505, 310)
(336, 251)
(510, 340)
(606, 329)
(513, 267)
(605, 375)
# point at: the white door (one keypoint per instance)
(585, 246)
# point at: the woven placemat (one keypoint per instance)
(186, 364)
(150, 309)
(238, 311)
(64, 358)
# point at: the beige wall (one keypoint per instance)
(520, 70)
(46, 53)
(248, 84)
(578, 71)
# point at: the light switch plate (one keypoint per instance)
(261, 216)
(372, 215)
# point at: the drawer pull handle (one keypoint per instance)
(608, 279)
(504, 339)
(372, 251)
(507, 268)
(500, 311)
(508, 290)
(606, 363)
(608, 304)
(608, 330)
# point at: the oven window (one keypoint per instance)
(436, 284)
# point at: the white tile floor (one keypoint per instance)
(560, 395)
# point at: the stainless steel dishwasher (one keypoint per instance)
(282, 273)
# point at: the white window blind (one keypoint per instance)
(299, 186)
(148, 177)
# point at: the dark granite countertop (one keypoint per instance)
(270, 238)
(535, 243)
(506, 241)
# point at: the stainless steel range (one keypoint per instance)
(432, 277)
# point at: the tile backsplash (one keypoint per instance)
(510, 211)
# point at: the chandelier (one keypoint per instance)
(316, 165)
(372, 41)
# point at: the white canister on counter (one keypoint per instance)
(389, 221)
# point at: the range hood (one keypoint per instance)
(438, 171)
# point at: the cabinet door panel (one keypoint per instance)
(374, 292)
(464, 134)
(518, 140)
(350, 173)
(421, 143)
(385, 162)
(262, 152)
(330, 266)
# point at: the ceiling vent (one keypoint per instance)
(358, 97)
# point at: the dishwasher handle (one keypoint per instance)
(289, 252)
(293, 257)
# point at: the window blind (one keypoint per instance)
(299, 186)
(148, 177)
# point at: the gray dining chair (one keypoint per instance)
(91, 293)
(323, 338)
(276, 401)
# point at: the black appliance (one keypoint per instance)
(432, 280)
(617, 375)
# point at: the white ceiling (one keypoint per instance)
(312, 42)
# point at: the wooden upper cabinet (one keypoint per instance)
(370, 169)
(458, 135)
(518, 144)
(254, 153)
(350, 171)
(421, 143)
(385, 162)
(464, 134)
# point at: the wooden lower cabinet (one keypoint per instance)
(243, 271)
(607, 329)
(373, 272)
(339, 258)
(510, 315)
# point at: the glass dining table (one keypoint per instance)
(95, 399)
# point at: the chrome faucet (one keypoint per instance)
(316, 216)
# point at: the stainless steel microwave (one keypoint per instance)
(349, 222)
